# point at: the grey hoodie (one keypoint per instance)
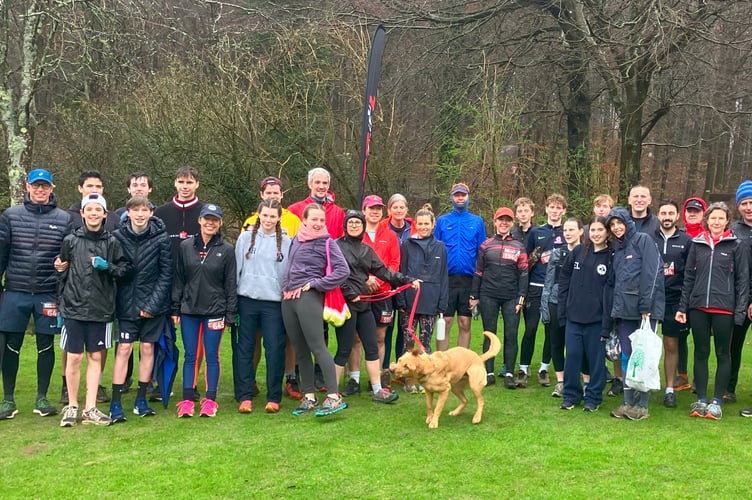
(260, 275)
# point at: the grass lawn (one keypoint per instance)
(524, 448)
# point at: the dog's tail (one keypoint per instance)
(493, 349)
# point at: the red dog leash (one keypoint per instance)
(378, 297)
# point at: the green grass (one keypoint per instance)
(524, 448)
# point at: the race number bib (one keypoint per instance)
(216, 324)
(386, 317)
(49, 309)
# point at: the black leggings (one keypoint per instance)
(365, 324)
(737, 344)
(557, 337)
(721, 326)
(489, 312)
(45, 362)
(531, 311)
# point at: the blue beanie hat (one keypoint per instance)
(743, 191)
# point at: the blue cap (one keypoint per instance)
(39, 175)
(211, 209)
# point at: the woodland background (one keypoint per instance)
(524, 97)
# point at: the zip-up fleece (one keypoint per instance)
(717, 276)
(501, 269)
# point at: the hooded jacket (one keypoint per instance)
(86, 293)
(260, 274)
(206, 279)
(148, 285)
(717, 276)
(362, 261)
(425, 259)
(693, 229)
(30, 238)
(638, 273)
(387, 247)
(335, 215)
(462, 233)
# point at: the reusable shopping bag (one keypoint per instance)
(336, 311)
(643, 367)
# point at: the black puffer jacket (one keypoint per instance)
(30, 238)
(363, 261)
(206, 280)
(85, 293)
(147, 287)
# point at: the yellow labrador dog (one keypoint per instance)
(443, 371)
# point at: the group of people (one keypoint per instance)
(145, 270)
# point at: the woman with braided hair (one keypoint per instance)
(260, 254)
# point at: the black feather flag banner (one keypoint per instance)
(372, 83)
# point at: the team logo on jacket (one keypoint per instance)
(510, 254)
(601, 269)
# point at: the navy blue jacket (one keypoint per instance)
(638, 273)
(648, 224)
(584, 287)
(147, 287)
(674, 251)
(547, 237)
(425, 259)
(31, 235)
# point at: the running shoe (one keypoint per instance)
(558, 391)
(293, 389)
(306, 406)
(246, 406)
(102, 396)
(617, 387)
(544, 379)
(621, 411)
(698, 409)
(94, 416)
(567, 405)
(185, 408)
(509, 382)
(490, 379)
(637, 413)
(8, 410)
(681, 383)
(352, 388)
(746, 412)
(142, 408)
(208, 408)
(714, 411)
(116, 413)
(70, 415)
(43, 408)
(521, 379)
(272, 407)
(590, 408)
(669, 400)
(729, 397)
(331, 406)
(385, 396)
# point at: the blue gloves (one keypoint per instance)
(100, 263)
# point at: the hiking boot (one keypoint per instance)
(8, 410)
(352, 388)
(64, 395)
(681, 383)
(669, 400)
(70, 415)
(714, 411)
(746, 412)
(208, 408)
(490, 379)
(306, 406)
(590, 408)
(102, 396)
(271, 407)
(617, 387)
(543, 378)
(729, 397)
(246, 406)
(521, 379)
(331, 406)
(94, 416)
(621, 411)
(567, 405)
(637, 413)
(509, 381)
(43, 408)
(558, 391)
(292, 389)
(385, 396)
(142, 408)
(116, 413)
(698, 409)
(186, 408)
(386, 378)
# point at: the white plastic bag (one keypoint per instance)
(643, 368)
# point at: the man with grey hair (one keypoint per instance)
(319, 182)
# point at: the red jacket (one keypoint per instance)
(387, 248)
(335, 215)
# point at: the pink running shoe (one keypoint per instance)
(208, 408)
(185, 408)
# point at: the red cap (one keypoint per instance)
(504, 211)
(372, 200)
(270, 181)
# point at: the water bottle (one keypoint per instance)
(440, 327)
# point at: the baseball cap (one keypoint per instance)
(504, 211)
(460, 187)
(211, 209)
(39, 175)
(94, 198)
(372, 200)
(695, 204)
(270, 181)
